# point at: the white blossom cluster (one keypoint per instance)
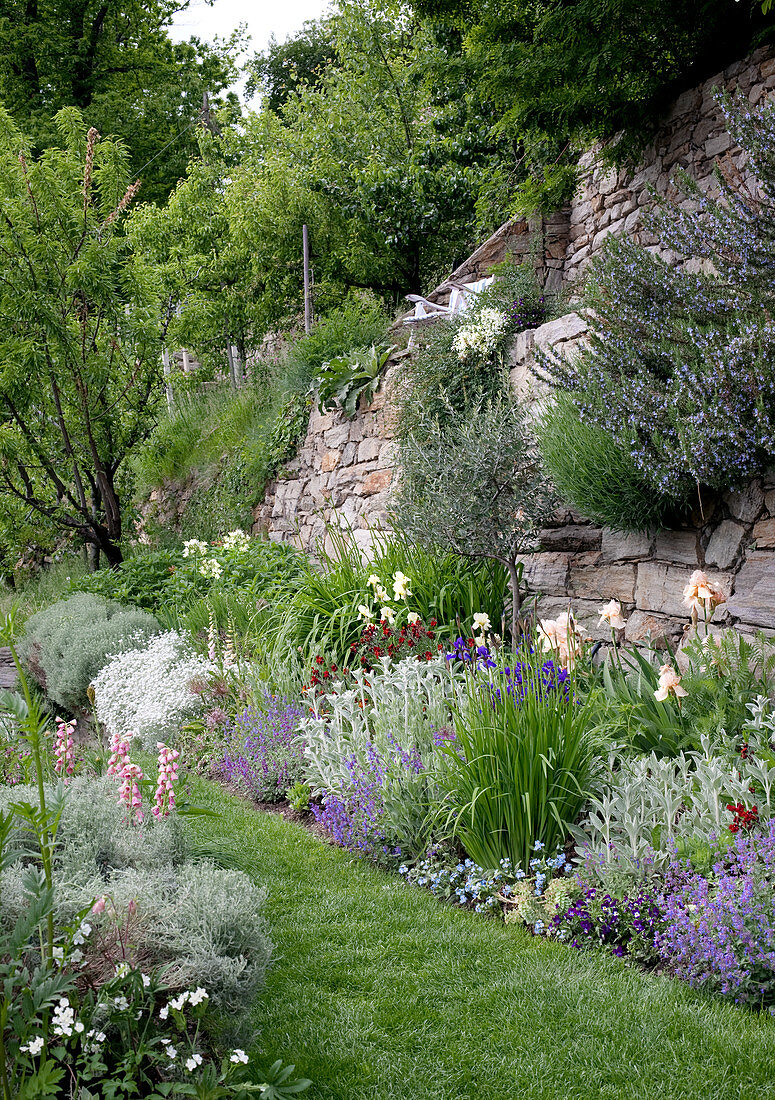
(194, 547)
(145, 693)
(211, 568)
(236, 540)
(481, 336)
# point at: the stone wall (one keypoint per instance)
(341, 475)
(344, 470)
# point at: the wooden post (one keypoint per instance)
(307, 295)
(166, 368)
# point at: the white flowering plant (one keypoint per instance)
(481, 337)
(165, 579)
(146, 693)
(131, 1031)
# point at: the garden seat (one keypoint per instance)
(459, 300)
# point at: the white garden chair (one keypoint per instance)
(459, 300)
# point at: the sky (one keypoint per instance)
(264, 19)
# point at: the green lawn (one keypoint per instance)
(380, 992)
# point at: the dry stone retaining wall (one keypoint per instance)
(344, 471)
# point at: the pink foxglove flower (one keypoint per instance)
(64, 749)
(164, 798)
(129, 791)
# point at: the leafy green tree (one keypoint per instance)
(116, 63)
(374, 158)
(204, 265)
(283, 68)
(79, 331)
(559, 74)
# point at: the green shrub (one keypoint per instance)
(322, 615)
(358, 323)
(342, 382)
(166, 581)
(66, 645)
(594, 473)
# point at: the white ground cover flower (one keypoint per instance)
(145, 693)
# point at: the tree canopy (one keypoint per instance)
(115, 63)
(560, 75)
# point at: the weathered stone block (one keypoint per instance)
(564, 328)
(602, 582)
(660, 588)
(764, 534)
(754, 596)
(369, 449)
(375, 482)
(522, 346)
(746, 504)
(658, 630)
(337, 437)
(547, 573)
(678, 546)
(573, 537)
(330, 461)
(714, 147)
(725, 543)
(616, 545)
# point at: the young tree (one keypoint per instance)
(474, 484)
(79, 331)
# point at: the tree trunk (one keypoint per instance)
(516, 601)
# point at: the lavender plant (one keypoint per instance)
(679, 367)
(382, 812)
(263, 752)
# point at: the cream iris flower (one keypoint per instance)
(669, 684)
(400, 585)
(612, 614)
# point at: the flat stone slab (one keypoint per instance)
(7, 669)
(754, 597)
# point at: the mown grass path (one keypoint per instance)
(379, 992)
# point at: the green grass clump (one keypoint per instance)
(380, 992)
(594, 474)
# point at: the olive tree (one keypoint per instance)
(472, 482)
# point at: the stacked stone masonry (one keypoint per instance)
(344, 471)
